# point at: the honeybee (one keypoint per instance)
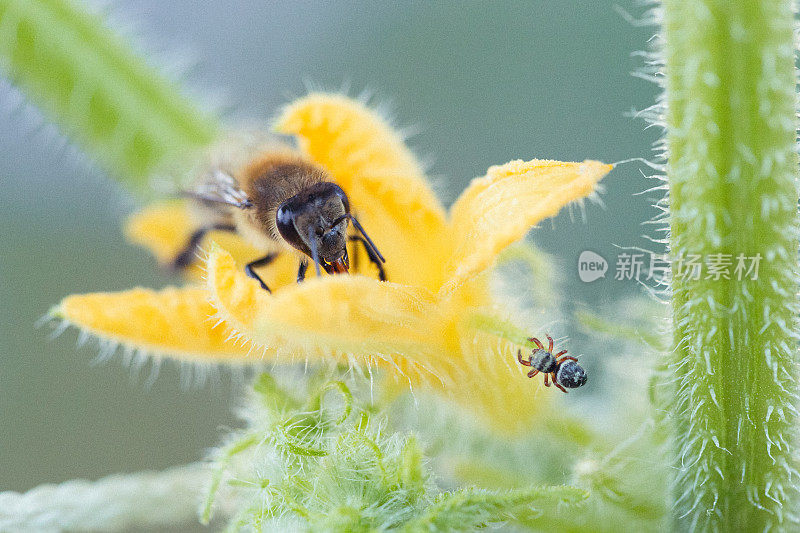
(280, 201)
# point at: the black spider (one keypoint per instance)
(563, 369)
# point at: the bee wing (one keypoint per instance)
(219, 187)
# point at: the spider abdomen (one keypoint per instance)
(571, 375)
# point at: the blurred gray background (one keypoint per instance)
(485, 82)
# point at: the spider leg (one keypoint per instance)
(546, 382)
(537, 342)
(566, 358)
(559, 386)
(521, 361)
(532, 373)
(550, 339)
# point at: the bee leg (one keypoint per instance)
(373, 258)
(301, 271)
(187, 255)
(267, 259)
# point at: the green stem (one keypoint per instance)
(730, 93)
(85, 78)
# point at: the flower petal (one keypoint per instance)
(499, 209)
(165, 229)
(385, 183)
(172, 322)
(495, 386)
(333, 317)
(351, 141)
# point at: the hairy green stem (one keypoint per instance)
(148, 501)
(731, 134)
(88, 80)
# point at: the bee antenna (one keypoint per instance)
(360, 228)
(337, 222)
(314, 255)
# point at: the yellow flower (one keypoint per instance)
(418, 325)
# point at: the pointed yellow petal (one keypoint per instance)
(165, 229)
(481, 373)
(173, 322)
(385, 183)
(162, 228)
(499, 209)
(350, 140)
(336, 317)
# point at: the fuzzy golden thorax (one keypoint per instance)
(269, 180)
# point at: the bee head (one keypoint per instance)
(315, 222)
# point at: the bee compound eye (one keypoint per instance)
(284, 218)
